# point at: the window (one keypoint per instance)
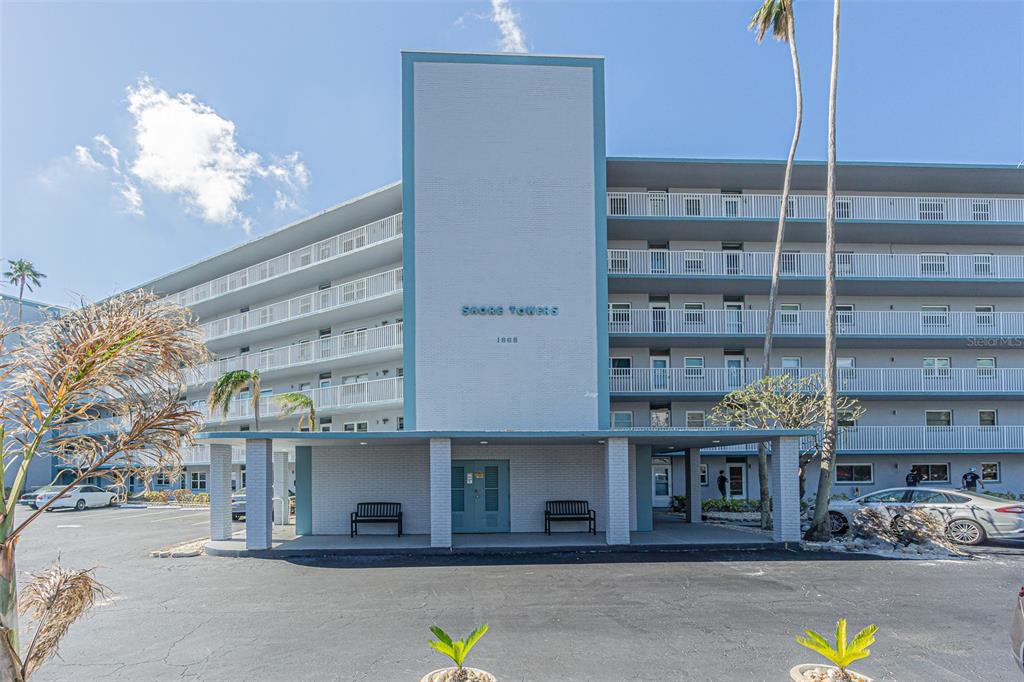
(325, 383)
(617, 205)
(790, 207)
(986, 367)
(789, 262)
(704, 474)
(352, 427)
(620, 373)
(661, 417)
(844, 315)
(844, 209)
(325, 424)
(988, 417)
(844, 262)
(931, 210)
(934, 263)
(657, 203)
(932, 473)
(789, 313)
(693, 313)
(888, 496)
(985, 315)
(730, 206)
(928, 497)
(935, 315)
(935, 367)
(982, 264)
(693, 367)
(618, 316)
(622, 420)
(981, 210)
(693, 261)
(198, 480)
(846, 419)
(855, 473)
(846, 369)
(163, 479)
(693, 206)
(401, 423)
(695, 419)
(990, 471)
(938, 418)
(618, 261)
(791, 365)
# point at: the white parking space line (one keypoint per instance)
(147, 512)
(171, 518)
(69, 525)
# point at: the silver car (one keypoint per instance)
(970, 517)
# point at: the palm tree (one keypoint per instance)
(819, 526)
(229, 385)
(24, 276)
(291, 403)
(777, 16)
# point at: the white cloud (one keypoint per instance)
(507, 20)
(184, 147)
(85, 158)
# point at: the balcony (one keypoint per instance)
(911, 440)
(364, 394)
(875, 382)
(200, 454)
(997, 220)
(384, 288)
(737, 272)
(352, 246)
(804, 328)
(328, 350)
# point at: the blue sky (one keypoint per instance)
(140, 137)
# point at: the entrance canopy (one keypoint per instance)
(661, 437)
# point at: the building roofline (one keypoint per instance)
(32, 302)
(811, 162)
(511, 55)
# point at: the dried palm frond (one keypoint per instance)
(54, 600)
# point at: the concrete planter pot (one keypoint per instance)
(815, 672)
(456, 675)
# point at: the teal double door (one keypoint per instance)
(480, 496)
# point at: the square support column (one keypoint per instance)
(785, 480)
(440, 492)
(644, 491)
(303, 490)
(693, 493)
(282, 505)
(616, 471)
(219, 485)
(258, 507)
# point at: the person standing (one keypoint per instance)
(971, 480)
(722, 482)
(913, 479)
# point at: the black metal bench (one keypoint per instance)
(376, 512)
(569, 510)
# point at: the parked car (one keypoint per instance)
(238, 503)
(79, 497)
(1017, 631)
(29, 496)
(970, 517)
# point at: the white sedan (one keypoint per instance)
(79, 497)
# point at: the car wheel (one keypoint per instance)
(80, 505)
(964, 532)
(838, 523)
(113, 501)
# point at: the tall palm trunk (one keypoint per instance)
(21, 297)
(819, 529)
(780, 235)
(255, 388)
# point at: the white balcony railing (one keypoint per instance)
(200, 454)
(880, 380)
(698, 263)
(812, 206)
(307, 256)
(339, 296)
(880, 323)
(344, 396)
(897, 439)
(349, 344)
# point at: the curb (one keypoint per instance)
(490, 551)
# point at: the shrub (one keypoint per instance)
(1005, 496)
(679, 503)
(720, 505)
(914, 527)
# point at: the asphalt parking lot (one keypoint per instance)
(630, 616)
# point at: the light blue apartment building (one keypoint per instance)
(522, 319)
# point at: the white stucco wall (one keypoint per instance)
(504, 215)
